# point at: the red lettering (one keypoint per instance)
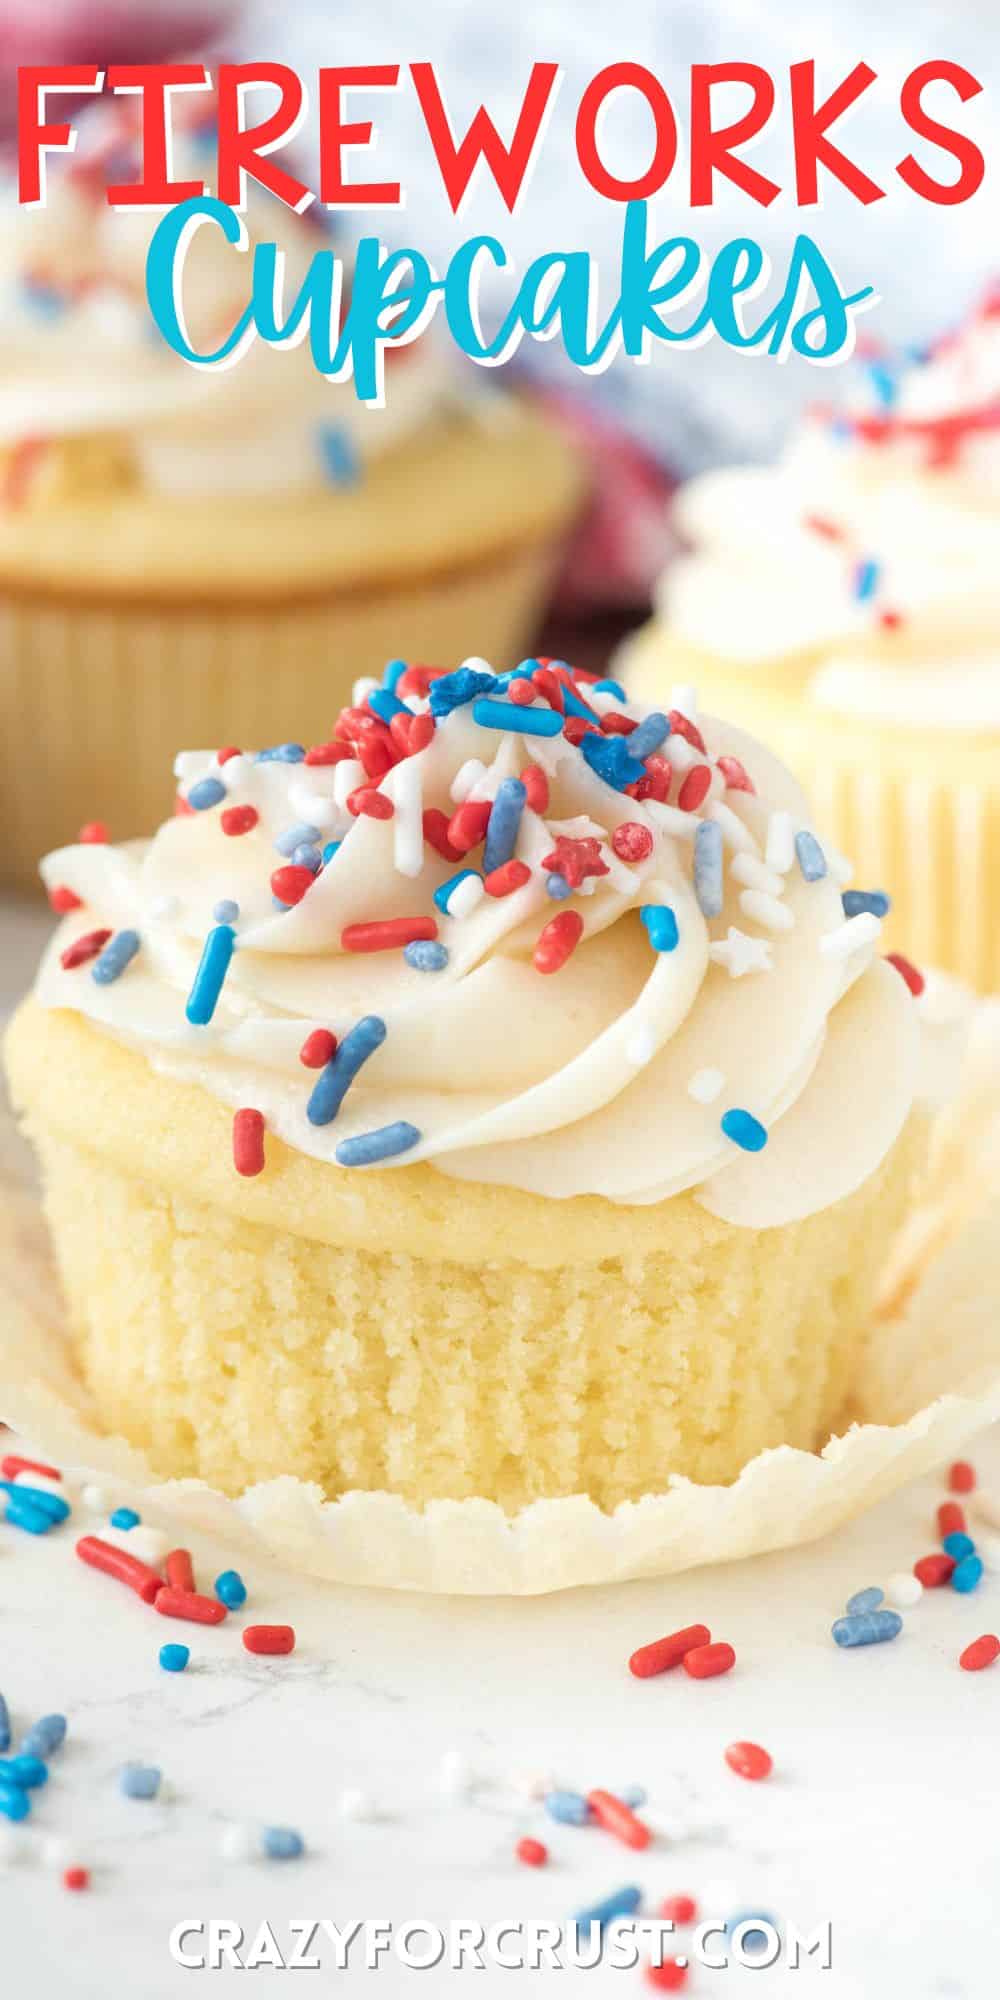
(620, 76)
(508, 165)
(34, 138)
(152, 81)
(712, 152)
(334, 190)
(810, 122)
(971, 163)
(244, 152)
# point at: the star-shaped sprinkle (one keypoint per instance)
(740, 954)
(574, 860)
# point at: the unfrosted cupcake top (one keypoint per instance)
(516, 926)
(86, 373)
(864, 563)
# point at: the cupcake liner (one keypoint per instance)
(104, 686)
(931, 1382)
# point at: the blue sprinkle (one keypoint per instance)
(752, 1940)
(329, 851)
(558, 888)
(811, 858)
(51, 1504)
(965, 1576)
(385, 704)
(230, 1589)
(455, 690)
(207, 792)
(14, 1803)
(340, 460)
(125, 1517)
(623, 1903)
(443, 895)
(210, 976)
(574, 703)
(570, 1808)
(307, 856)
(226, 911)
(173, 1658)
(865, 1600)
(609, 757)
(118, 953)
(859, 902)
(335, 1079)
(426, 955)
(884, 383)
(507, 715)
(281, 1843)
(139, 1781)
(46, 301)
(611, 687)
(293, 837)
(46, 1736)
(661, 925)
(368, 1147)
(503, 824)
(281, 753)
(22, 1513)
(957, 1545)
(28, 1770)
(393, 674)
(708, 885)
(651, 732)
(744, 1130)
(4, 1725)
(866, 580)
(867, 1628)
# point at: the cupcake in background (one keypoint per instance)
(193, 555)
(846, 603)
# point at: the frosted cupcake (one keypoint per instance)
(492, 1100)
(198, 555)
(847, 603)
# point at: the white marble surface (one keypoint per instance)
(880, 1814)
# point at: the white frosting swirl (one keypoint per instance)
(771, 580)
(609, 1077)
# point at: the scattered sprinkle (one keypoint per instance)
(915, 980)
(810, 856)
(873, 902)
(557, 941)
(139, 1781)
(318, 1049)
(366, 1148)
(231, 1589)
(706, 1085)
(173, 1658)
(961, 1477)
(533, 1853)
(125, 1517)
(741, 954)
(338, 1074)
(661, 926)
(426, 955)
(981, 1653)
(868, 1628)
(766, 910)
(210, 976)
(269, 1638)
(248, 1142)
(744, 1130)
(868, 1599)
(853, 935)
(749, 1760)
(705, 1662)
(206, 793)
(389, 934)
(281, 1843)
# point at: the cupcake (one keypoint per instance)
(447, 1110)
(846, 603)
(198, 555)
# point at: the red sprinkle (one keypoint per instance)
(369, 803)
(522, 693)
(618, 1818)
(63, 899)
(76, 1878)
(934, 1570)
(915, 980)
(390, 935)
(421, 732)
(378, 755)
(11, 1466)
(417, 680)
(558, 941)
(504, 880)
(656, 783)
(436, 834)
(890, 621)
(615, 724)
(223, 756)
(25, 457)
(548, 684)
(83, 948)
(632, 842)
(681, 725)
(93, 834)
(318, 1049)
(180, 1570)
(820, 525)
(961, 1477)
(749, 1760)
(694, 788)
(679, 1909)
(576, 727)
(182, 809)
(329, 753)
(118, 1563)
(290, 883)
(536, 786)
(950, 1519)
(532, 1852)
(981, 1653)
(238, 819)
(269, 1638)
(667, 1977)
(248, 1142)
(575, 859)
(189, 1605)
(467, 827)
(736, 776)
(707, 1661)
(661, 1654)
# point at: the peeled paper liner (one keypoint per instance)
(932, 1382)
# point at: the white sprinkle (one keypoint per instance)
(679, 753)
(236, 770)
(903, 1589)
(748, 869)
(780, 849)
(95, 1498)
(838, 866)
(704, 1086)
(147, 1543)
(734, 833)
(766, 910)
(239, 1842)
(346, 779)
(670, 819)
(851, 936)
(56, 1851)
(476, 665)
(362, 689)
(316, 808)
(355, 1804)
(641, 1045)
(740, 953)
(684, 698)
(42, 1483)
(603, 703)
(163, 909)
(467, 775)
(455, 1775)
(408, 822)
(15, 1844)
(988, 1546)
(466, 896)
